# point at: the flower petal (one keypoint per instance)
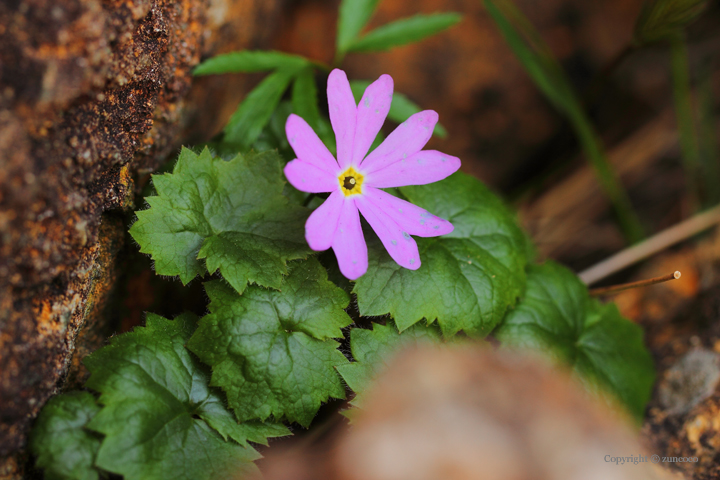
(322, 224)
(426, 166)
(407, 139)
(371, 113)
(411, 218)
(308, 147)
(343, 115)
(349, 243)
(306, 177)
(399, 244)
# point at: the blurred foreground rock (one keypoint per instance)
(473, 413)
(93, 94)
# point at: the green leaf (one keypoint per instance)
(272, 352)
(160, 418)
(354, 15)
(273, 135)
(305, 98)
(660, 19)
(64, 448)
(373, 349)
(404, 31)
(230, 213)
(251, 116)
(605, 350)
(249, 61)
(532, 53)
(468, 278)
(401, 108)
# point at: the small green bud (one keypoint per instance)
(662, 18)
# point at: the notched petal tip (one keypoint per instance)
(428, 117)
(387, 82)
(338, 86)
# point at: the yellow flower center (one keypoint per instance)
(350, 182)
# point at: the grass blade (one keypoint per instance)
(709, 152)
(682, 95)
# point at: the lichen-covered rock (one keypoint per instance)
(92, 93)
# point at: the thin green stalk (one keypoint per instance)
(684, 112)
(592, 146)
(548, 75)
(707, 139)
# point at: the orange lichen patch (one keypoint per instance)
(95, 326)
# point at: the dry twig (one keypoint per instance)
(652, 245)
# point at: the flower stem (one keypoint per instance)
(684, 112)
(591, 144)
(707, 138)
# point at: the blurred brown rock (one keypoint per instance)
(92, 94)
(473, 413)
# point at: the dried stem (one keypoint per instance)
(596, 292)
(651, 246)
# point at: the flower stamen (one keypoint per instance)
(351, 182)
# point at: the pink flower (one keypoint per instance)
(354, 180)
